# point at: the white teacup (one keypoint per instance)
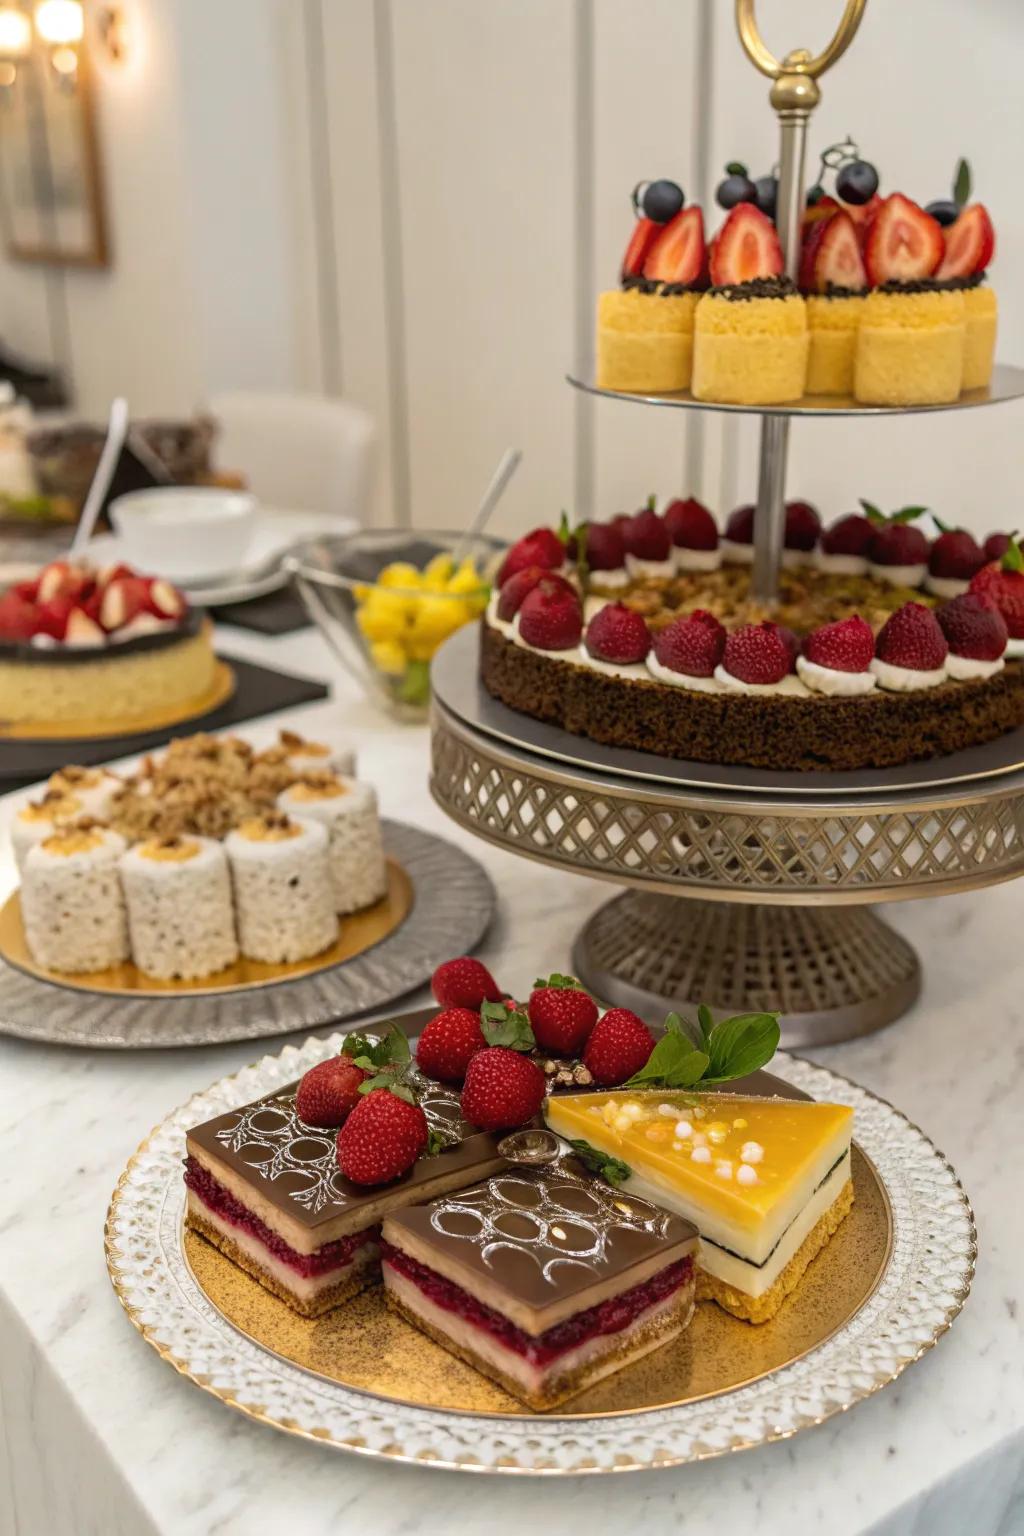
(187, 533)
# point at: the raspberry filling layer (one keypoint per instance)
(223, 1204)
(610, 1316)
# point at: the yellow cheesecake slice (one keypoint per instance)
(766, 1181)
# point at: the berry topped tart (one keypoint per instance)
(884, 646)
(82, 647)
(546, 1189)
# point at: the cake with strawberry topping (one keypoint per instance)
(80, 646)
(833, 276)
(750, 328)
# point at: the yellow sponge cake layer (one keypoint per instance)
(832, 325)
(119, 685)
(910, 348)
(750, 351)
(644, 340)
(981, 313)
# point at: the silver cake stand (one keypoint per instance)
(778, 885)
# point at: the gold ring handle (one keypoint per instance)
(799, 62)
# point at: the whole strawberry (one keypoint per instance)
(897, 544)
(911, 638)
(847, 646)
(756, 654)
(996, 545)
(503, 1089)
(551, 616)
(510, 598)
(329, 1092)
(617, 634)
(739, 526)
(448, 1042)
(646, 536)
(382, 1138)
(973, 627)
(619, 1046)
(606, 550)
(562, 1015)
(691, 525)
(1002, 583)
(464, 983)
(692, 646)
(541, 547)
(850, 535)
(955, 556)
(803, 526)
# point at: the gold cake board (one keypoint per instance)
(365, 1346)
(358, 933)
(222, 686)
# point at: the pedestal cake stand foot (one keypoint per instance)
(834, 974)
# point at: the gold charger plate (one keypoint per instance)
(222, 686)
(365, 1346)
(358, 933)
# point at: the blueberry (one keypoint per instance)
(815, 194)
(662, 200)
(944, 211)
(736, 188)
(767, 188)
(857, 182)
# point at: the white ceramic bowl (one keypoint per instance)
(187, 533)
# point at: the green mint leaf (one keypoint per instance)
(437, 1142)
(688, 1070)
(391, 1083)
(705, 1019)
(962, 184)
(741, 1045)
(563, 527)
(677, 1025)
(559, 983)
(668, 1052)
(611, 1169)
(940, 525)
(652, 502)
(871, 512)
(505, 1026)
(1013, 560)
(735, 168)
(907, 514)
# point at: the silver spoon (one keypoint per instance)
(507, 466)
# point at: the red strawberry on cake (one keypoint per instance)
(976, 633)
(464, 983)
(803, 529)
(903, 243)
(562, 1015)
(898, 552)
(996, 545)
(1002, 583)
(503, 1089)
(448, 1043)
(542, 547)
(843, 550)
(738, 538)
(687, 651)
(619, 1045)
(648, 544)
(617, 636)
(606, 553)
(551, 616)
(678, 254)
(511, 594)
(329, 1092)
(837, 658)
(756, 659)
(969, 244)
(910, 650)
(694, 535)
(381, 1139)
(952, 561)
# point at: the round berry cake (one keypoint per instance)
(884, 647)
(99, 648)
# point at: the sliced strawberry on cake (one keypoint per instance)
(833, 275)
(678, 255)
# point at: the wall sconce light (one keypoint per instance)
(60, 25)
(15, 42)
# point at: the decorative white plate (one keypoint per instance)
(924, 1286)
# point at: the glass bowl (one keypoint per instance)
(386, 599)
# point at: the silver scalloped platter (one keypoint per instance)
(923, 1286)
(454, 903)
(1007, 383)
(456, 683)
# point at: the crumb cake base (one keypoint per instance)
(761, 1309)
(362, 1271)
(875, 730)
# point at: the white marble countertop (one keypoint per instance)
(100, 1436)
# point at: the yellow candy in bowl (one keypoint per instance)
(387, 599)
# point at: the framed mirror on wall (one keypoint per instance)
(51, 192)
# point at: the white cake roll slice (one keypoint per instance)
(94, 787)
(181, 919)
(39, 820)
(284, 905)
(304, 757)
(72, 903)
(348, 809)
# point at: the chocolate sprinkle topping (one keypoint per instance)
(931, 284)
(758, 288)
(664, 290)
(837, 291)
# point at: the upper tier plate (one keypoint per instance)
(1007, 384)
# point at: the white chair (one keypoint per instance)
(304, 453)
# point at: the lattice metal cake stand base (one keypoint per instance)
(779, 886)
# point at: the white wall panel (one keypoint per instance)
(484, 102)
(922, 84)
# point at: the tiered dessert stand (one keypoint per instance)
(779, 870)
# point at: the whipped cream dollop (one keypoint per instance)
(613, 580)
(829, 680)
(899, 575)
(966, 669)
(1014, 649)
(946, 587)
(789, 685)
(638, 567)
(896, 679)
(737, 554)
(696, 559)
(680, 679)
(840, 565)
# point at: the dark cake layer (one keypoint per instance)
(610, 1316)
(876, 730)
